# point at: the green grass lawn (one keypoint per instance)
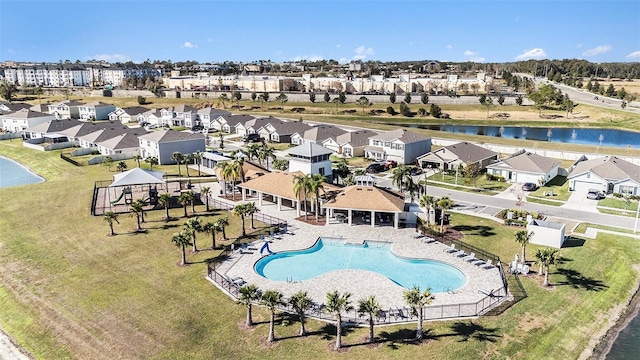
(618, 204)
(67, 290)
(479, 184)
(559, 186)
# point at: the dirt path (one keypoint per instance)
(8, 350)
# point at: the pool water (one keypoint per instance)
(13, 174)
(326, 256)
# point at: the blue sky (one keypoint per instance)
(244, 31)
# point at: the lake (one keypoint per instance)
(585, 136)
(14, 174)
(627, 344)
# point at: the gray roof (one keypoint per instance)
(289, 127)
(97, 104)
(135, 110)
(610, 168)
(234, 120)
(404, 135)
(13, 107)
(55, 126)
(212, 111)
(309, 150)
(470, 153)
(530, 162)
(127, 140)
(84, 128)
(319, 133)
(355, 138)
(26, 114)
(171, 135)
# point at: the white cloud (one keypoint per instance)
(209, 40)
(338, 46)
(600, 49)
(476, 59)
(112, 58)
(188, 45)
(343, 60)
(469, 53)
(535, 53)
(309, 58)
(579, 46)
(634, 55)
(362, 52)
(448, 46)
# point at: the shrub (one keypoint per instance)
(390, 110)
(618, 195)
(496, 178)
(142, 100)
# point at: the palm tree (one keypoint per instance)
(137, 158)
(225, 174)
(178, 158)
(109, 161)
(110, 217)
(193, 226)
(197, 157)
(136, 209)
(539, 255)
(444, 203)
(250, 209)
(265, 153)
(165, 200)
(427, 201)
(523, 237)
(549, 258)
(184, 200)
(122, 166)
(417, 301)
(241, 210)
(211, 228)
(181, 240)
(192, 201)
(301, 302)
(253, 151)
(223, 222)
(371, 307)
(412, 188)
(205, 191)
(247, 294)
(400, 176)
(341, 171)
(337, 304)
(315, 182)
(142, 204)
(271, 299)
(188, 158)
(151, 160)
(301, 187)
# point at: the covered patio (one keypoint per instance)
(366, 205)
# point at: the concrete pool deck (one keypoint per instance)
(359, 283)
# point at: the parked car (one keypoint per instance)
(529, 186)
(415, 171)
(388, 164)
(594, 194)
(375, 168)
(250, 138)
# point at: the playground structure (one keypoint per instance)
(126, 194)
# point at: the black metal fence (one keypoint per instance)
(392, 315)
(69, 160)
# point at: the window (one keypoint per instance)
(322, 171)
(627, 189)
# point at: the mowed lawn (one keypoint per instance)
(67, 290)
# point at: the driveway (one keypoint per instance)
(578, 201)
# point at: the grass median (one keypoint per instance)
(73, 292)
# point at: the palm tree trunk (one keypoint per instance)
(213, 240)
(224, 233)
(540, 269)
(206, 199)
(244, 232)
(111, 228)
(441, 222)
(252, 227)
(370, 328)
(305, 208)
(419, 331)
(303, 331)
(166, 209)
(546, 276)
(249, 320)
(184, 256)
(339, 332)
(138, 228)
(142, 215)
(523, 252)
(272, 320)
(185, 210)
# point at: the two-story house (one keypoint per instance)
(162, 144)
(128, 114)
(21, 120)
(400, 145)
(68, 109)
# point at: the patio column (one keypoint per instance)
(298, 207)
(350, 216)
(279, 202)
(259, 198)
(244, 194)
(327, 217)
(395, 220)
(373, 218)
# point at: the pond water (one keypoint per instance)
(585, 136)
(14, 174)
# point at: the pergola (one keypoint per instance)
(137, 176)
(362, 204)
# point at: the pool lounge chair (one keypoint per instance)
(488, 265)
(459, 254)
(428, 240)
(487, 292)
(471, 257)
(237, 280)
(417, 236)
(477, 262)
(451, 249)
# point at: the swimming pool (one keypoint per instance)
(325, 256)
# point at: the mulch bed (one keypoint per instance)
(311, 220)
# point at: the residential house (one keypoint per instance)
(208, 115)
(92, 139)
(162, 144)
(452, 156)
(66, 109)
(310, 158)
(129, 114)
(251, 126)
(524, 166)
(281, 131)
(95, 110)
(84, 128)
(8, 108)
(127, 142)
(227, 123)
(400, 145)
(21, 120)
(609, 174)
(52, 128)
(349, 144)
(154, 117)
(317, 134)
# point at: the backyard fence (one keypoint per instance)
(393, 315)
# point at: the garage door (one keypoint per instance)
(585, 185)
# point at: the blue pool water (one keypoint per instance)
(326, 256)
(13, 174)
